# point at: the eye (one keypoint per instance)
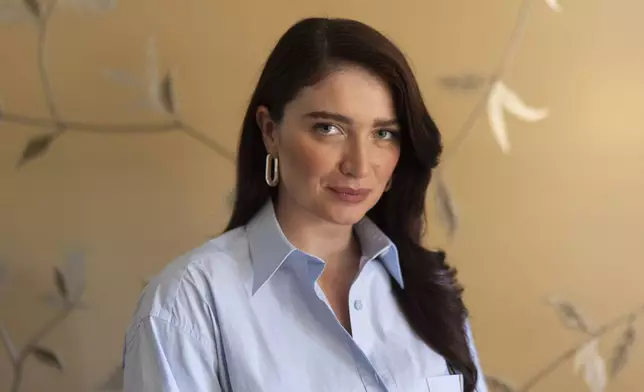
(327, 129)
(384, 134)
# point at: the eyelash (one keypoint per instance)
(320, 128)
(393, 134)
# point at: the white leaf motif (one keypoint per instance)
(554, 5)
(152, 74)
(148, 80)
(502, 98)
(8, 344)
(593, 365)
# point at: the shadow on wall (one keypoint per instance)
(158, 95)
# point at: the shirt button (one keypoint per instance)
(357, 304)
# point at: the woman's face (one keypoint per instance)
(337, 144)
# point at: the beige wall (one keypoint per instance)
(560, 216)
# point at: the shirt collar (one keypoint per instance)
(269, 247)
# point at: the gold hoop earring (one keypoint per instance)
(272, 172)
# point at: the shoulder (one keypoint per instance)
(184, 292)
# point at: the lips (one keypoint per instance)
(350, 195)
(350, 191)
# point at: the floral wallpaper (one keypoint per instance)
(151, 89)
(156, 94)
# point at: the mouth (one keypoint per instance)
(350, 195)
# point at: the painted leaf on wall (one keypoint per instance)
(502, 99)
(464, 82)
(48, 357)
(495, 384)
(445, 206)
(153, 92)
(570, 315)
(36, 147)
(8, 344)
(590, 363)
(622, 350)
(73, 270)
(152, 76)
(167, 93)
(33, 6)
(114, 382)
(554, 5)
(61, 283)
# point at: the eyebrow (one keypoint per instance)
(324, 115)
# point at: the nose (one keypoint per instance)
(355, 162)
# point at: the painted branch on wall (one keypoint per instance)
(161, 96)
(496, 100)
(585, 355)
(70, 285)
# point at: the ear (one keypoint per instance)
(268, 128)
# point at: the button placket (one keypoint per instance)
(358, 312)
(362, 331)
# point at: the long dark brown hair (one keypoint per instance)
(432, 299)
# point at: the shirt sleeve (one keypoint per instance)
(163, 357)
(481, 386)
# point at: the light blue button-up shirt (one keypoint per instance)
(243, 313)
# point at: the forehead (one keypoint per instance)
(350, 91)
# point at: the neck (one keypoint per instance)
(313, 235)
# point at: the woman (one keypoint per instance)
(320, 282)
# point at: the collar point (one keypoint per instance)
(257, 284)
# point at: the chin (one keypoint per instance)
(345, 214)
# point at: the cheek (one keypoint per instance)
(303, 161)
(387, 163)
